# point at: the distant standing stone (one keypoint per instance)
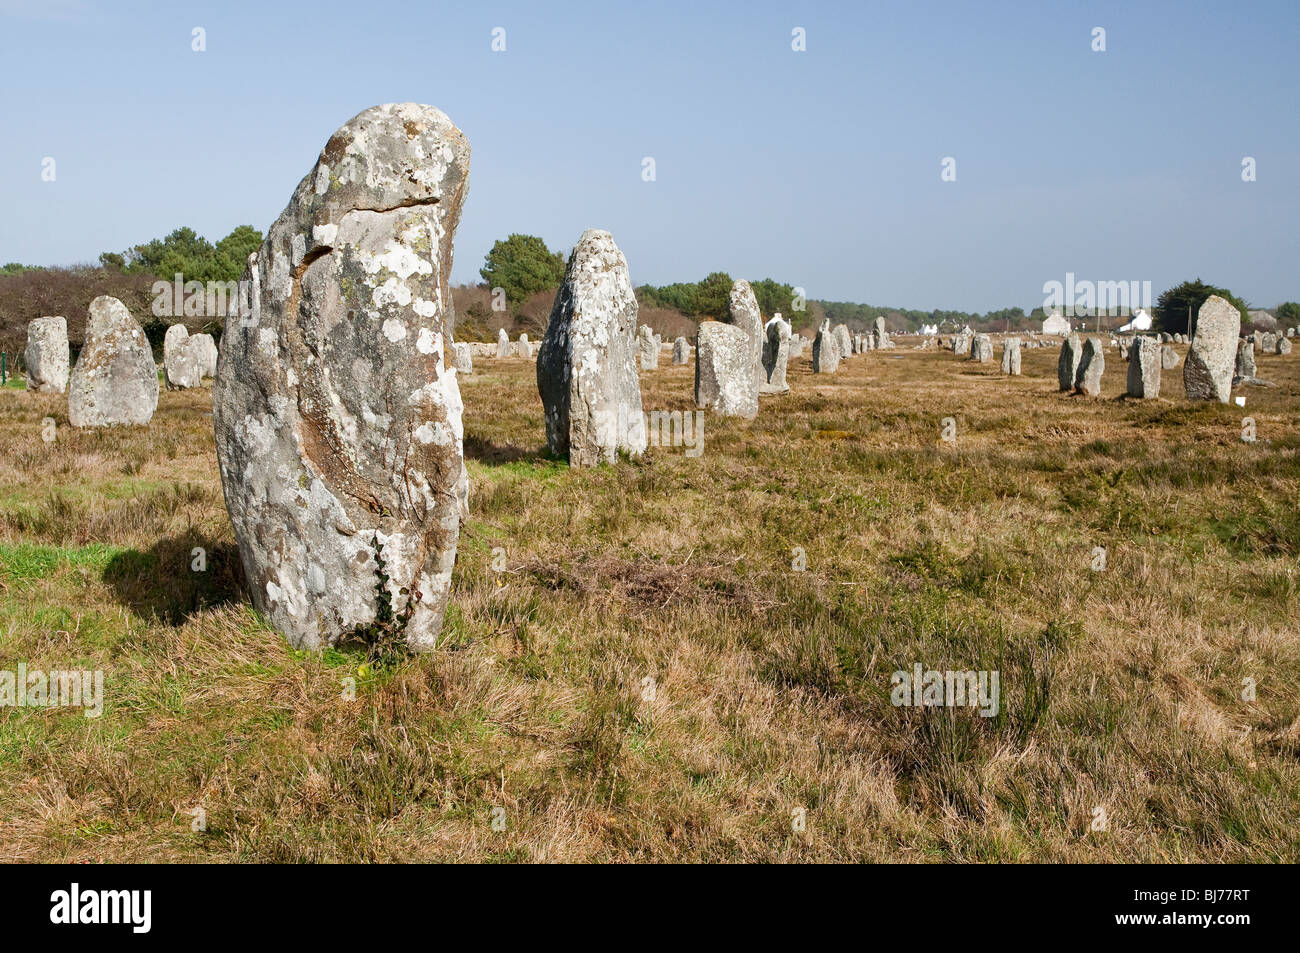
(587, 365)
(1283, 346)
(1245, 365)
(681, 351)
(115, 380)
(1067, 365)
(1207, 371)
(1011, 356)
(503, 343)
(464, 358)
(776, 352)
(724, 379)
(826, 354)
(842, 341)
(1169, 358)
(743, 313)
(46, 355)
(646, 349)
(1144, 362)
(1091, 366)
(981, 349)
(181, 368)
(881, 333)
(205, 349)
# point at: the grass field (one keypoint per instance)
(649, 677)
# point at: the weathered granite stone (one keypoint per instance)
(981, 349)
(503, 343)
(646, 349)
(825, 353)
(681, 351)
(523, 348)
(724, 379)
(1067, 365)
(742, 312)
(880, 333)
(1144, 368)
(1283, 346)
(1011, 356)
(464, 358)
(205, 348)
(1207, 371)
(1245, 364)
(776, 352)
(1091, 366)
(115, 380)
(1169, 358)
(337, 412)
(842, 341)
(587, 366)
(797, 342)
(46, 356)
(181, 367)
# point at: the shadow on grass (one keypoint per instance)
(484, 451)
(166, 583)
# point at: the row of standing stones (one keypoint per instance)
(115, 380)
(337, 412)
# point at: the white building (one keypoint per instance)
(1141, 322)
(1055, 324)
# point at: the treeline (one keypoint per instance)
(28, 292)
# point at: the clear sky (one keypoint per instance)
(820, 168)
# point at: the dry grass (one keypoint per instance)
(1120, 689)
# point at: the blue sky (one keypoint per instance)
(820, 168)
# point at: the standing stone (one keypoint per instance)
(724, 379)
(1091, 366)
(842, 341)
(1168, 357)
(776, 352)
(503, 343)
(881, 333)
(205, 350)
(1207, 372)
(115, 380)
(586, 368)
(1067, 365)
(681, 351)
(1011, 356)
(646, 349)
(46, 356)
(523, 348)
(796, 345)
(1267, 341)
(742, 308)
(464, 358)
(337, 412)
(1144, 367)
(825, 354)
(1283, 346)
(181, 369)
(1245, 364)
(981, 348)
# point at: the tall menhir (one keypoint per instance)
(338, 416)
